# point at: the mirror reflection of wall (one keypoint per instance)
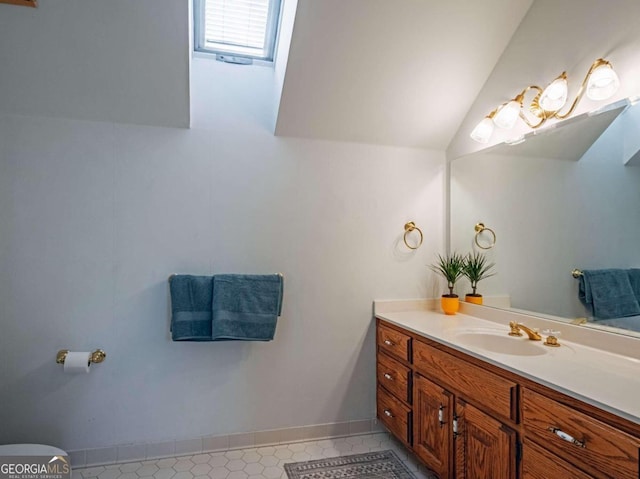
(554, 209)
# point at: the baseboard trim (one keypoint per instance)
(124, 453)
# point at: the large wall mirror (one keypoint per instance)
(566, 198)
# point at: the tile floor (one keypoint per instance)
(251, 463)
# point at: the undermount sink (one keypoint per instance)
(499, 342)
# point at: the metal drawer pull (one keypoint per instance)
(566, 437)
(388, 413)
(388, 376)
(388, 342)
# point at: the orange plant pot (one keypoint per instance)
(473, 298)
(450, 304)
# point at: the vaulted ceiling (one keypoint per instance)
(401, 72)
(394, 72)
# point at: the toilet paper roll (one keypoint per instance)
(77, 362)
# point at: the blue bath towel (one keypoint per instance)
(191, 299)
(608, 292)
(246, 307)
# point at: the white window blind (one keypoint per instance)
(237, 27)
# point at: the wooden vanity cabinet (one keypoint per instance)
(452, 436)
(425, 399)
(467, 419)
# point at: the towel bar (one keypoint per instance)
(176, 274)
(576, 273)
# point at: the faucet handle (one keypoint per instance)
(552, 337)
(515, 329)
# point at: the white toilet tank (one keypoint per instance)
(30, 450)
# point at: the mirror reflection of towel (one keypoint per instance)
(634, 279)
(609, 293)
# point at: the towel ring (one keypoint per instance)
(408, 228)
(480, 227)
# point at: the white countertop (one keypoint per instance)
(602, 378)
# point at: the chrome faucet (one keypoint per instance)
(517, 328)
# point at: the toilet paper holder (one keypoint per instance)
(96, 357)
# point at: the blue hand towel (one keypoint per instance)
(246, 307)
(191, 298)
(608, 292)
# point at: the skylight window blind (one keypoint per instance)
(238, 27)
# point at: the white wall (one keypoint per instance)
(116, 60)
(550, 217)
(96, 216)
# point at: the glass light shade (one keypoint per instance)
(554, 96)
(483, 131)
(507, 115)
(603, 83)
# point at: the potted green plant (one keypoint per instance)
(475, 268)
(450, 266)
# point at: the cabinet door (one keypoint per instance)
(432, 426)
(485, 448)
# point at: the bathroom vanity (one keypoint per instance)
(473, 402)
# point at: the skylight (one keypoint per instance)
(244, 28)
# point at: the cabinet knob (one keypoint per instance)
(388, 413)
(388, 342)
(388, 376)
(441, 415)
(566, 437)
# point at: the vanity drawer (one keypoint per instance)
(473, 383)
(394, 377)
(394, 342)
(394, 415)
(603, 450)
(540, 464)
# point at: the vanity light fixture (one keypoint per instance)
(600, 83)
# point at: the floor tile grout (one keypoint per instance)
(253, 462)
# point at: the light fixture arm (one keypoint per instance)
(543, 117)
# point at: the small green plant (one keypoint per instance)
(476, 268)
(450, 266)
